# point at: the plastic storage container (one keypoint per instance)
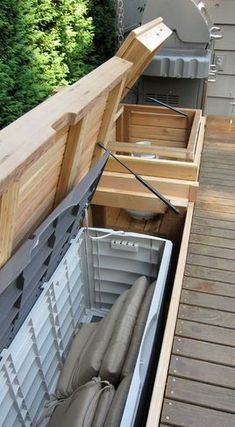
(92, 274)
(64, 276)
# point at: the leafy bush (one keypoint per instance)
(43, 44)
(103, 15)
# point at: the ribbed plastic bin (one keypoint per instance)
(98, 266)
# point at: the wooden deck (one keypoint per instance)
(200, 389)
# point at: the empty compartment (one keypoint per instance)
(170, 134)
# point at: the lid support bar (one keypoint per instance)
(143, 182)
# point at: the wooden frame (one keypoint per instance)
(162, 369)
(123, 190)
(172, 136)
(165, 168)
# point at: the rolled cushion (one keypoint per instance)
(103, 406)
(64, 387)
(93, 353)
(115, 413)
(79, 409)
(137, 335)
(114, 358)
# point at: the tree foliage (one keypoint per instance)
(103, 13)
(46, 43)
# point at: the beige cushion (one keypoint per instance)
(113, 361)
(103, 406)
(79, 409)
(133, 350)
(64, 387)
(115, 413)
(93, 353)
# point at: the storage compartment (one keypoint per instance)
(99, 266)
(172, 135)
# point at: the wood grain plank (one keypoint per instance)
(209, 301)
(216, 181)
(215, 223)
(170, 134)
(228, 254)
(205, 351)
(207, 316)
(222, 216)
(210, 274)
(204, 332)
(216, 206)
(206, 372)
(213, 231)
(158, 168)
(200, 394)
(159, 120)
(215, 241)
(162, 371)
(209, 287)
(193, 137)
(8, 212)
(211, 261)
(180, 414)
(71, 160)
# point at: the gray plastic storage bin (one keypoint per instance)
(61, 277)
(97, 268)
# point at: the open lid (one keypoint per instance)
(22, 277)
(140, 47)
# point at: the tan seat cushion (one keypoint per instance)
(103, 406)
(93, 353)
(137, 335)
(115, 413)
(64, 387)
(79, 409)
(114, 358)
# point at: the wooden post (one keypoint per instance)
(108, 118)
(8, 209)
(72, 159)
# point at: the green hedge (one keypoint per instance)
(47, 43)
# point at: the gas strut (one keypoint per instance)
(142, 181)
(167, 106)
(150, 98)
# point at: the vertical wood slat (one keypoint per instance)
(8, 210)
(108, 118)
(71, 161)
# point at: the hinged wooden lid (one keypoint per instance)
(140, 47)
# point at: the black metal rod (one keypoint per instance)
(167, 106)
(143, 182)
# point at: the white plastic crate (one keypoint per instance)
(97, 268)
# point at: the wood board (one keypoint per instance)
(140, 46)
(46, 152)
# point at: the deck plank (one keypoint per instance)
(200, 388)
(209, 286)
(207, 316)
(209, 352)
(204, 332)
(219, 263)
(201, 394)
(206, 372)
(210, 273)
(210, 301)
(180, 414)
(213, 251)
